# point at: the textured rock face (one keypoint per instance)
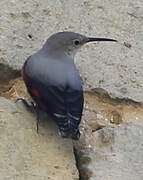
(114, 67)
(24, 154)
(117, 154)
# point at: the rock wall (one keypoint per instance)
(117, 154)
(111, 130)
(116, 68)
(28, 155)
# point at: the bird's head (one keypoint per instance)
(69, 42)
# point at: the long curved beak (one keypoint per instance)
(90, 39)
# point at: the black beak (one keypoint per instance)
(100, 39)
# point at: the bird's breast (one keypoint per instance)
(51, 72)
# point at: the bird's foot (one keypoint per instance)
(29, 105)
(64, 133)
(75, 135)
(33, 108)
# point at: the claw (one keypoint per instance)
(33, 108)
(75, 135)
(26, 104)
(64, 134)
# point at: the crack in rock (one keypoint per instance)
(7, 74)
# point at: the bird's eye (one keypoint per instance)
(76, 42)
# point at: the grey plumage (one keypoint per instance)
(54, 82)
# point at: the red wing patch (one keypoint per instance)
(36, 93)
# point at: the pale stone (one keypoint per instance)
(116, 153)
(24, 154)
(115, 68)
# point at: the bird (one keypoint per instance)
(54, 82)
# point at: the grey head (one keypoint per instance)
(67, 43)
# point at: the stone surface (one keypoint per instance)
(24, 154)
(114, 67)
(117, 153)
